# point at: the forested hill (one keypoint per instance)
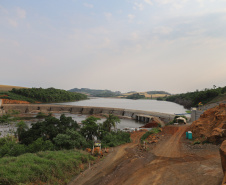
(49, 95)
(96, 92)
(192, 99)
(158, 92)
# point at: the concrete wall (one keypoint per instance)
(195, 114)
(129, 113)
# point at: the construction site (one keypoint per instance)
(168, 157)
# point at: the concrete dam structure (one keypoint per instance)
(139, 115)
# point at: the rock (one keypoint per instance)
(211, 125)
(223, 160)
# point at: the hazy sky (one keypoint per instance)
(141, 45)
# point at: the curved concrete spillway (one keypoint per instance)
(127, 113)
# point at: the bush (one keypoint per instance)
(40, 145)
(11, 148)
(112, 139)
(148, 133)
(72, 139)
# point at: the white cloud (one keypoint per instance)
(163, 30)
(134, 36)
(148, 2)
(21, 13)
(131, 17)
(106, 42)
(108, 15)
(88, 5)
(12, 22)
(140, 6)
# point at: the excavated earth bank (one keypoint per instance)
(211, 126)
(169, 161)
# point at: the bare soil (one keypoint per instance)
(170, 161)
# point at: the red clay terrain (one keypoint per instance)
(7, 101)
(172, 160)
(211, 125)
(223, 160)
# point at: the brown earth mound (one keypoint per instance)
(211, 125)
(223, 160)
(150, 125)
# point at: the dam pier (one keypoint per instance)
(139, 115)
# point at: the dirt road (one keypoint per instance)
(167, 163)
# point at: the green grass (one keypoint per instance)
(50, 167)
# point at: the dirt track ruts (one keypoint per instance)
(165, 164)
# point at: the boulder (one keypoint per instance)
(211, 125)
(223, 160)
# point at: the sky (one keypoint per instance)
(122, 45)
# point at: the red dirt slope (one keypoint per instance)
(7, 101)
(211, 125)
(223, 160)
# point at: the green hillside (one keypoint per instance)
(49, 95)
(192, 99)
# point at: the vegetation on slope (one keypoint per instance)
(158, 92)
(192, 99)
(57, 134)
(150, 132)
(135, 96)
(59, 138)
(49, 95)
(50, 167)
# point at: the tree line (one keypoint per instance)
(58, 134)
(192, 99)
(45, 95)
(97, 92)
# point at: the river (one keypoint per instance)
(146, 105)
(141, 104)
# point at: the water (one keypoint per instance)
(146, 105)
(124, 123)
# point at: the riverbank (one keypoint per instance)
(127, 113)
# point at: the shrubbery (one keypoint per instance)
(135, 96)
(148, 133)
(50, 167)
(63, 133)
(192, 99)
(112, 139)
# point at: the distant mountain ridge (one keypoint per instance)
(96, 92)
(109, 93)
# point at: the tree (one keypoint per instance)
(21, 127)
(110, 121)
(90, 128)
(72, 139)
